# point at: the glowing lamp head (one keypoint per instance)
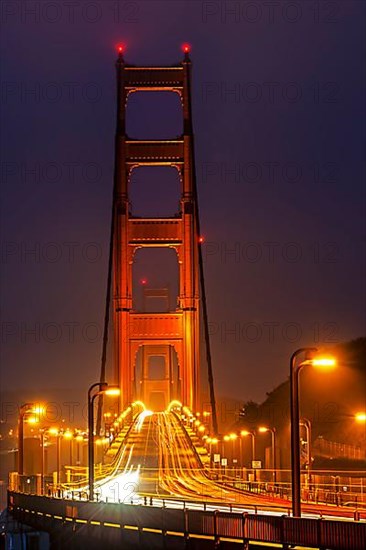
(53, 431)
(186, 48)
(214, 440)
(326, 363)
(112, 391)
(233, 436)
(38, 409)
(201, 428)
(68, 434)
(360, 417)
(32, 420)
(244, 432)
(263, 429)
(226, 438)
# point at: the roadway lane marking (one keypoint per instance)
(95, 522)
(58, 517)
(81, 521)
(106, 524)
(132, 527)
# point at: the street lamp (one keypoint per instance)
(57, 434)
(25, 409)
(102, 388)
(245, 433)
(233, 438)
(305, 422)
(264, 429)
(322, 362)
(212, 441)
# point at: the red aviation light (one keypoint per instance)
(121, 48)
(144, 282)
(186, 48)
(201, 239)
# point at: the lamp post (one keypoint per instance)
(212, 441)
(245, 433)
(57, 434)
(42, 434)
(102, 388)
(305, 422)
(233, 438)
(25, 409)
(295, 418)
(264, 429)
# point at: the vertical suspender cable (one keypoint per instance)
(106, 320)
(201, 272)
(111, 246)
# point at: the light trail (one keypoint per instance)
(157, 463)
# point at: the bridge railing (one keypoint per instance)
(50, 514)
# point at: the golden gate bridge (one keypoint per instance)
(156, 477)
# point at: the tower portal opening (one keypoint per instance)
(155, 191)
(155, 287)
(154, 115)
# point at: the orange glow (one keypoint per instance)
(79, 438)
(32, 420)
(197, 423)
(244, 432)
(201, 429)
(53, 431)
(324, 362)
(68, 434)
(360, 417)
(214, 441)
(112, 391)
(38, 409)
(226, 438)
(263, 429)
(233, 436)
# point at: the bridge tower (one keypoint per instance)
(178, 328)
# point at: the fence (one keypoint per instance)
(90, 519)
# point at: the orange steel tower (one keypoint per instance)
(177, 329)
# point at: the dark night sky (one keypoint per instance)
(280, 172)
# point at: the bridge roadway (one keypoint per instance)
(157, 459)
